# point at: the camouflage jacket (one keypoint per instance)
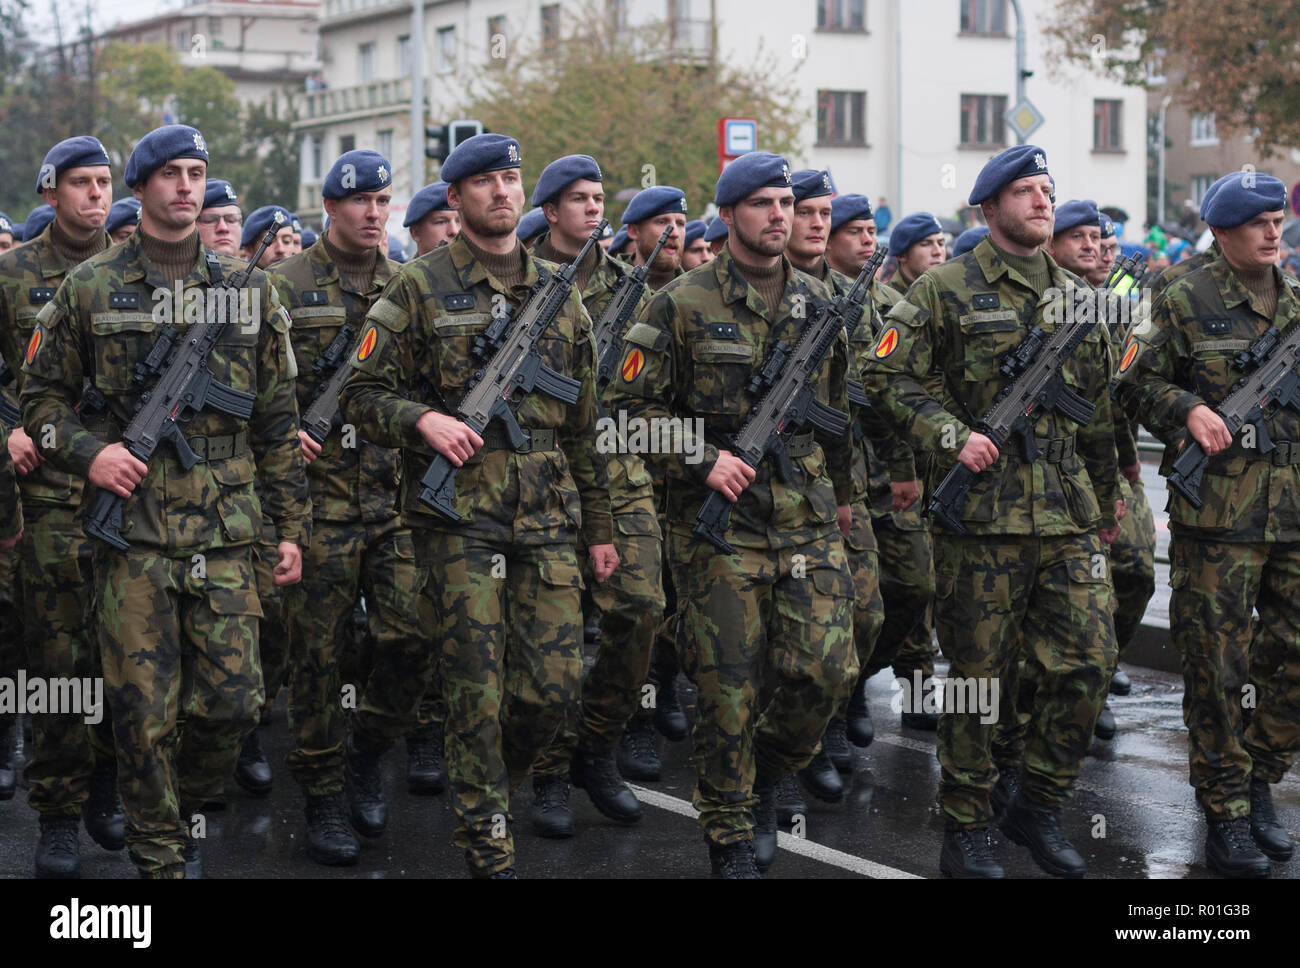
(421, 359)
(102, 321)
(1203, 320)
(690, 357)
(352, 479)
(935, 373)
(11, 509)
(29, 276)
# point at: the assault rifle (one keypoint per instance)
(8, 411)
(333, 370)
(609, 328)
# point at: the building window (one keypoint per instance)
(1204, 131)
(347, 142)
(550, 23)
(1200, 185)
(984, 16)
(982, 124)
(315, 155)
(616, 12)
(1107, 131)
(446, 45)
(366, 62)
(384, 143)
(404, 55)
(841, 117)
(842, 15)
(183, 41)
(214, 27)
(1156, 67)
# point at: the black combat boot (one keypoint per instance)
(1039, 829)
(365, 788)
(330, 840)
(1105, 728)
(822, 780)
(505, 874)
(836, 745)
(638, 751)
(102, 811)
(764, 825)
(1230, 850)
(789, 801)
(597, 774)
(252, 769)
(193, 859)
(426, 771)
(1005, 791)
(551, 814)
(734, 862)
(58, 854)
(1270, 836)
(591, 626)
(669, 718)
(8, 772)
(1120, 683)
(968, 855)
(857, 723)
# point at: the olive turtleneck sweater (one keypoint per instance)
(1033, 267)
(73, 250)
(173, 259)
(508, 269)
(546, 249)
(1262, 283)
(769, 281)
(357, 270)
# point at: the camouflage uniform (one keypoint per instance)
(53, 562)
(505, 578)
(744, 618)
(631, 601)
(1241, 551)
(11, 523)
(358, 545)
(1033, 558)
(178, 612)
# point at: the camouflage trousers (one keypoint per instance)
(868, 606)
(631, 604)
(1216, 585)
(1000, 599)
(273, 630)
(1132, 563)
(907, 588)
(176, 635)
(11, 632)
(783, 617)
(343, 562)
(56, 587)
(511, 624)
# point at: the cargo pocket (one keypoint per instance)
(1080, 499)
(721, 368)
(455, 349)
(237, 504)
(120, 341)
(1225, 490)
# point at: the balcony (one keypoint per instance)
(335, 12)
(333, 104)
(689, 41)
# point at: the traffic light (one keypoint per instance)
(443, 138)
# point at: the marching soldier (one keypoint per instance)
(430, 219)
(221, 220)
(695, 251)
(255, 227)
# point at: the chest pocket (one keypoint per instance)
(1213, 369)
(456, 361)
(722, 368)
(987, 337)
(314, 328)
(119, 341)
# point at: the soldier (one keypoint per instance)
(695, 251)
(806, 248)
(7, 240)
(37, 220)
(11, 530)
(531, 227)
(716, 236)
(308, 237)
(255, 227)
(507, 676)
(917, 242)
(295, 223)
(902, 534)
(970, 238)
(1108, 254)
(631, 602)
(71, 769)
(1237, 553)
(358, 542)
(430, 219)
(123, 217)
(220, 219)
(780, 610)
(177, 611)
(1034, 556)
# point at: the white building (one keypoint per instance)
(903, 99)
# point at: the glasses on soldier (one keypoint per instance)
(231, 218)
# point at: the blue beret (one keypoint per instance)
(968, 240)
(6, 224)
(1210, 193)
(361, 170)
(911, 230)
(37, 219)
(1107, 225)
(122, 212)
(257, 223)
(395, 250)
(308, 237)
(811, 183)
(219, 194)
(1074, 213)
(653, 201)
(531, 225)
(619, 240)
(1243, 195)
(160, 146)
(483, 152)
(848, 208)
(295, 223)
(694, 231)
(748, 173)
(430, 198)
(1006, 166)
(562, 173)
(717, 230)
(83, 151)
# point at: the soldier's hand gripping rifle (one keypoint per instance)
(609, 328)
(788, 377)
(1037, 385)
(1271, 383)
(333, 369)
(513, 371)
(185, 386)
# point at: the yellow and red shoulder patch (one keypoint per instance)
(888, 343)
(1130, 354)
(34, 344)
(632, 364)
(367, 346)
